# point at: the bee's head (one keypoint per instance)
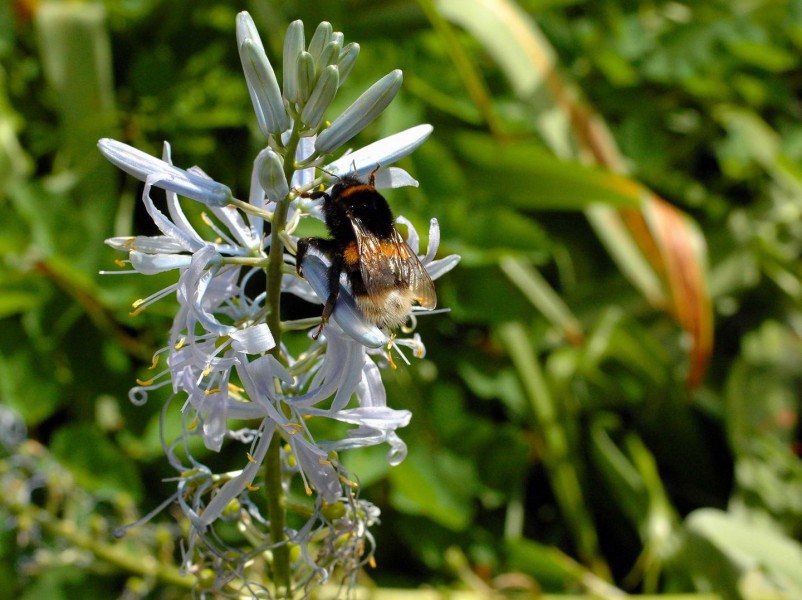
(344, 183)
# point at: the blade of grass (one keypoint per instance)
(556, 446)
(542, 296)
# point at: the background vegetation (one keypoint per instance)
(613, 399)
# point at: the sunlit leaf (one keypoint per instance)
(743, 558)
(660, 250)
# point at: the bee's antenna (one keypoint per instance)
(372, 176)
(330, 173)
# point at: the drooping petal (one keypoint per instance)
(413, 240)
(346, 313)
(236, 485)
(253, 340)
(316, 467)
(438, 268)
(161, 174)
(394, 177)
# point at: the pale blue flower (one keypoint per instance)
(221, 361)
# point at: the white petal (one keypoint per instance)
(213, 409)
(234, 487)
(148, 244)
(383, 152)
(413, 241)
(394, 177)
(346, 313)
(149, 168)
(438, 268)
(187, 239)
(150, 264)
(434, 241)
(304, 177)
(253, 340)
(315, 465)
(371, 388)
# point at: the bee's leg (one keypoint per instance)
(303, 246)
(334, 292)
(327, 248)
(372, 176)
(315, 195)
(324, 246)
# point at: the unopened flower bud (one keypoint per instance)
(360, 114)
(322, 95)
(329, 56)
(293, 46)
(271, 175)
(260, 78)
(347, 60)
(321, 37)
(305, 69)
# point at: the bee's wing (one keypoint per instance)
(385, 264)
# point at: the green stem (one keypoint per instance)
(556, 446)
(276, 506)
(118, 555)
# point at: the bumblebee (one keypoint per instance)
(385, 275)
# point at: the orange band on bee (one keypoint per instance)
(355, 189)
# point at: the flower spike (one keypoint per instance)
(226, 357)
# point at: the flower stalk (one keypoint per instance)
(276, 508)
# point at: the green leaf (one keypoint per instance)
(537, 180)
(542, 296)
(28, 381)
(96, 463)
(742, 559)
(436, 485)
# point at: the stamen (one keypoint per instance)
(120, 532)
(213, 226)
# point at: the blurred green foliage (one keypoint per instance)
(556, 444)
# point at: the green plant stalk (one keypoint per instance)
(464, 65)
(114, 554)
(561, 472)
(276, 507)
